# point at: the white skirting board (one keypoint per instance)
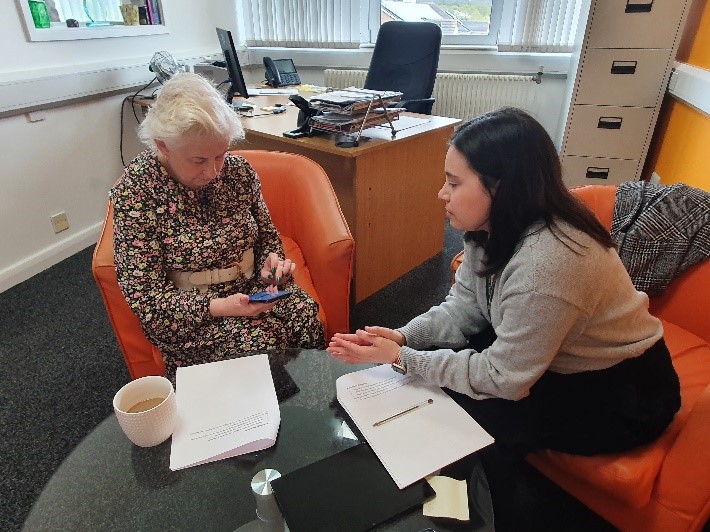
(691, 85)
(40, 261)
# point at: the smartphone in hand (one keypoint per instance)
(268, 297)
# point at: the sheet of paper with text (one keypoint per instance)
(413, 427)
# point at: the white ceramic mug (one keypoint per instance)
(146, 409)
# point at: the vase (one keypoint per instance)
(39, 14)
(129, 12)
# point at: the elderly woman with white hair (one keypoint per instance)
(193, 237)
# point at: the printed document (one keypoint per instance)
(413, 427)
(224, 409)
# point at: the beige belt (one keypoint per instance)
(201, 280)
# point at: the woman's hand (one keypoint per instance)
(238, 305)
(277, 271)
(384, 332)
(373, 345)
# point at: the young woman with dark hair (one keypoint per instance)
(543, 338)
(525, 184)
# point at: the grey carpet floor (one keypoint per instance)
(60, 368)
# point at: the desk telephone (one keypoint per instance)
(281, 72)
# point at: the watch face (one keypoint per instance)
(399, 368)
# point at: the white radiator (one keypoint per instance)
(340, 79)
(461, 95)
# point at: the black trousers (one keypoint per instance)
(588, 413)
(593, 412)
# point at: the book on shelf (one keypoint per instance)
(353, 100)
(149, 11)
(152, 9)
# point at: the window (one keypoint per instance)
(513, 25)
(472, 22)
(94, 19)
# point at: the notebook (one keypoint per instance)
(348, 492)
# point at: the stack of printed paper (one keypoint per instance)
(225, 409)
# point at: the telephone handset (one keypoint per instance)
(281, 72)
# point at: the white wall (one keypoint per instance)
(68, 160)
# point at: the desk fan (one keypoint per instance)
(163, 66)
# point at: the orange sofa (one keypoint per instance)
(315, 237)
(664, 486)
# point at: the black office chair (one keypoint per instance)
(405, 59)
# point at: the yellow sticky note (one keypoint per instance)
(451, 499)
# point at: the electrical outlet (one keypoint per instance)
(60, 222)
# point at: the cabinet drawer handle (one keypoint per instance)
(609, 122)
(634, 7)
(623, 67)
(595, 172)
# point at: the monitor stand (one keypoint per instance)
(242, 105)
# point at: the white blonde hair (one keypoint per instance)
(189, 103)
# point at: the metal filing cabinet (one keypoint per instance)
(622, 64)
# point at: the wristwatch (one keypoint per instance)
(398, 364)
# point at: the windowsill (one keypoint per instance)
(100, 32)
(451, 59)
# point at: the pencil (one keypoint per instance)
(406, 411)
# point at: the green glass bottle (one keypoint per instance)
(39, 13)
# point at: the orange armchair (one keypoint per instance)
(314, 234)
(665, 485)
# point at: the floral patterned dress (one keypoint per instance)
(162, 226)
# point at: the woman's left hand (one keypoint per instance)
(277, 271)
(363, 348)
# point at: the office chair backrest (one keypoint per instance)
(405, 59)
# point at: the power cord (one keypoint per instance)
(131, 99)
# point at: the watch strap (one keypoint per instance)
(398, 365)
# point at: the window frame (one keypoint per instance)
(470, 41)
(59, 32)
(370, 20)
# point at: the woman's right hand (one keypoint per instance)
(382, 332)
(388, 333)
(237, 305)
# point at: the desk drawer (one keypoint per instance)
(578, 171)
(635, 23)
(622, 77)
(606, 131)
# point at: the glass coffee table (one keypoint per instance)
(107, 483)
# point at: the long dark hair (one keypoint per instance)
(520, 168)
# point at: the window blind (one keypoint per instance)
(302, 23)
(541, 26)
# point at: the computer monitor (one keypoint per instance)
(236, 78)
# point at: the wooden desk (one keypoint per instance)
(387, 188)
